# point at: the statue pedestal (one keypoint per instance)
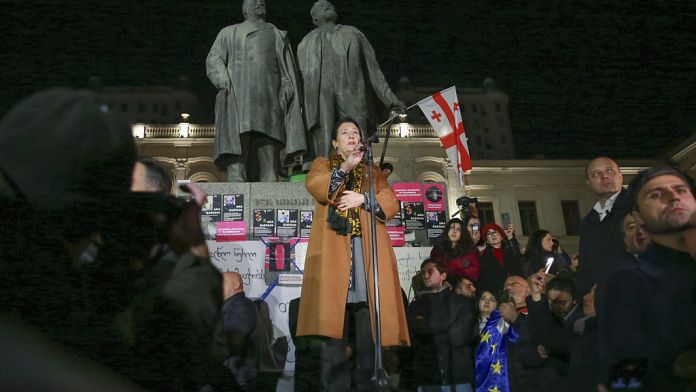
(276, 196)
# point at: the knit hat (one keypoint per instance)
(60, 149)
(492, 226)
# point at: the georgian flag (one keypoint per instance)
(442, 110)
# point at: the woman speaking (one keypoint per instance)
(337, 291)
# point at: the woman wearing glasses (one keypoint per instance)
(497, 261)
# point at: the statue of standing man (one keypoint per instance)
(258, 117)
(341, 78)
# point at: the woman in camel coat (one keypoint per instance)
(338, 265)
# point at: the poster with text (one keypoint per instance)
(413, 215)
(230, 231)
(435, 223)
(233, 208)
(396, 236)
(408, 191)
(305, 223)
(212, 209)
(286, 223)
(434, 197)
(263, 223)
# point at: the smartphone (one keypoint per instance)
(505, 220)
(549, 263)
(504, 296)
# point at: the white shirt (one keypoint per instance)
(603, 211)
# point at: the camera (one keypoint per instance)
(466, 201)
(467, 206)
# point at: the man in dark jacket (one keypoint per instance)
(647, 330)
(239, 319)
(442, 332)
(601, 242)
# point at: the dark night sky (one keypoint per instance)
(584, 77)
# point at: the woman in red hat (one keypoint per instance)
(497, 261)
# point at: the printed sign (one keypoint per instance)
(263, 223)
(233, 208)
(286, 223)
(230, 231)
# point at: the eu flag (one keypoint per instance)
(491, 355)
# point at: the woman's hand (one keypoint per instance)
(350, 199)
(509, 232)
(186, 231)
(476, 236)
(537, 282)
(352, 160)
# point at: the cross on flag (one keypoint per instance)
(451, 132)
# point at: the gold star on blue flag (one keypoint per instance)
(491, 355)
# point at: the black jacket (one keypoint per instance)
(443, 334)
(601, 245)
(650, 314)
(493, 275)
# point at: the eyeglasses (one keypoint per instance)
(601, 173)
(492, 234)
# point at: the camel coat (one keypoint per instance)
(327, 265)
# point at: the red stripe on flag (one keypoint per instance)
(464, 158)
(440, 100)
(449, 140)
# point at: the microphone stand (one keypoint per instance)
(379, 377)
(390, 121)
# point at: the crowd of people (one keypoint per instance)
(106, 283)
(620, 315)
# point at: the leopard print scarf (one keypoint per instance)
(353, 182)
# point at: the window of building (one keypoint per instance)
(124, 107)
(479, 141)
(497, 106)
(165, 110)
(155, 108)
(501, 122)
(528, 217)
(141, 107)
(485, 212)
(177, 106)
(503, 139)
(474, 108)
(477, 125)
(487, 130)
(483, 112)
(571, 216)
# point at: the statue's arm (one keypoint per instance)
(216, 63)
(377, 80)
(290, 84)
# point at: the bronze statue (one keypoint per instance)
(341, 78)
(258, 105)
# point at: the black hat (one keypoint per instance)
(60, 148)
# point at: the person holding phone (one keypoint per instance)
(540, 248)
